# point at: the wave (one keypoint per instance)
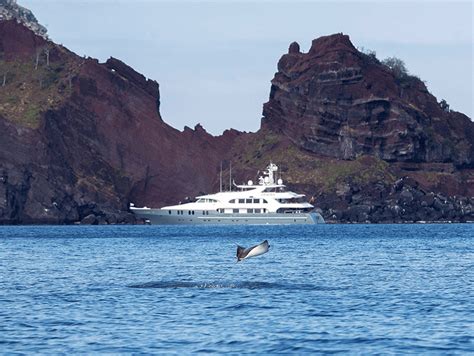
(228, 285)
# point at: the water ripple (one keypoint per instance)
(365, 289)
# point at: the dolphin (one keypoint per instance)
(257, 250)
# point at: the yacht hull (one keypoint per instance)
(162, 217)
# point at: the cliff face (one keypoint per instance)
(83, 139)
(368, 143)
(10, 10)
(80, 140)
(342, 103)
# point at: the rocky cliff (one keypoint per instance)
(80, 140)
(369, 143)
(339, 102)
(10, 10)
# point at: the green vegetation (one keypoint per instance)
(397, 66)
(30, 116)
(362, 171)
(444, 105)
(371, 55)
(27, 90)
(255, 149)
(302, 167)
(400, 71)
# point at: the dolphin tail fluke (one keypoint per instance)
(240, 251)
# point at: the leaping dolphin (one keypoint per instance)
(257, 250)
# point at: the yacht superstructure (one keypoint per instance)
(266, 202)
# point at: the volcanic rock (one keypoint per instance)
(10, 10)
(89, 220)
(367, 143)
(81, 138)
(341, 103)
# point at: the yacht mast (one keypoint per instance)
(230, 176)
(220, 179)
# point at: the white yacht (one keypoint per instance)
(266, 202)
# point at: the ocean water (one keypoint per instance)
(359, 289)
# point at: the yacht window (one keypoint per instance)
(169, 212)
(256, 201)
(264, 201)
(257, 211)
(221, 211)
(249, 211)
(193, 212)
(235, 211)
(241, 201)
(248, 201)
(232, 201)
(203, 212)
(189, 212)
(264, 210)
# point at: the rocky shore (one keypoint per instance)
(81, 140)
(402, 202)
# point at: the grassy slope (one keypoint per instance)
(304, 168)
(30, 90)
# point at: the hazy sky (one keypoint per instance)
(214, 60)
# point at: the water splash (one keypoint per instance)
(207, 285)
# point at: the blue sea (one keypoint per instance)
(352, 289)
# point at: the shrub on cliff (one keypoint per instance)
(444, 105)
(397, 66)
(371, 55)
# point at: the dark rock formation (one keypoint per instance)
(294, 48)
(341, 103)
(80, 140)
(10, 10)
(399, 202)
(369, 144)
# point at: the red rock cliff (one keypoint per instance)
(368, 143)
(79, 137)
(339, 102)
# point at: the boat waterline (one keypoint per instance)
(163, 217)
(265, 203)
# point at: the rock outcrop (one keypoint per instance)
(10, 10)
(339, 102)
(80, 139)
(369, 144)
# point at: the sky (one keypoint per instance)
(214, 60)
